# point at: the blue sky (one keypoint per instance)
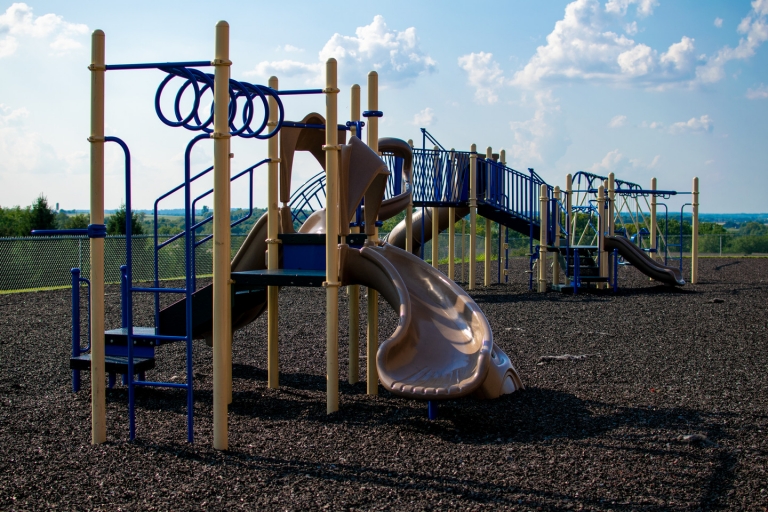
(642, 88)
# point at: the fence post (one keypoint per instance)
(695, 234)
(472, 214)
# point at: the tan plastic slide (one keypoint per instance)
(397, 236)
(443, 346)
(643, 262)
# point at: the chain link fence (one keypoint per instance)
(45, 262)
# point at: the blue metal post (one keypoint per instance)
(615, 270)
(576, 279)
(124, 294)
(75, 326)
(432, 410)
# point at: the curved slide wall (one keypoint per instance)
(443, 346)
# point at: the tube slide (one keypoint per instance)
(643, 262)
(397, 236)
(443, 346)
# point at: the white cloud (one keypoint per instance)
(758, 93)
(718, 22)
(290, 69)
(655, 125)
(395, 55)
(754, 28)
(292, 49)
(23, 151)
(541, 139)
(680, 55)
(586, 46)
(609, 162)
(644, 7)
(18, 21)
(424, 118)
(701, 124)
(484, 74)
(617, 121)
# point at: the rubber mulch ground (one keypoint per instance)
(607, 432)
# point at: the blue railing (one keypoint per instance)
(440, 177)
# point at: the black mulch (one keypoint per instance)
(604, 432)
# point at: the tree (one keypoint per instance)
(14, 222)
(116, 223)
(77, 221)
(41, 216)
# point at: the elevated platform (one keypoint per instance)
(280, 277)
(113, 364)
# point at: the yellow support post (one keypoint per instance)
(601, 231)
(373, 296)
(487, 248)
(222, 316)
(569, 208)
(654, 251)
(503, 230)
(472, 215)
(98, 396)
(436, 215)
(695, 234)
(332, 150)
(273, 358)
(408, 214)
(542, 285)
(611, 203)
(354, 290)
(451, 242)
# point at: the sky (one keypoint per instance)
(641, 88)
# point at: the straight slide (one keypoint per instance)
(443, 346)
(643, 262)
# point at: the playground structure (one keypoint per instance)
(336, 244)
(576, 226)
(425, 358)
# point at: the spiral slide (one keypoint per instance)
(443, 346)
(642, 262)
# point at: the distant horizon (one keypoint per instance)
(165, 211)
